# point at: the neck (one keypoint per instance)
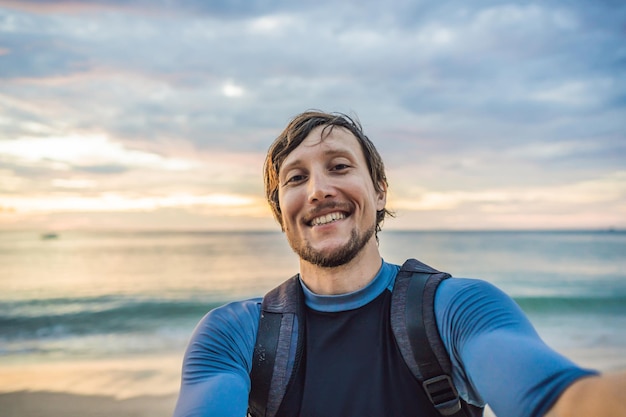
(346, 278)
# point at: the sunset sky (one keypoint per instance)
(140, 114)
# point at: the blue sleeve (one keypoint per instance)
(498, 357)
(217, 363)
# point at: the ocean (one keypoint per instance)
(111, 312)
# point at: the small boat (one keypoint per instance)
(49, 236)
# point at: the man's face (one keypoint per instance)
(327, 198)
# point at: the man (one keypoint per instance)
(326, 185)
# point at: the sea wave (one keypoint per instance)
(66, 317)
(117, 315)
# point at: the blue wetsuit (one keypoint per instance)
(497, 356)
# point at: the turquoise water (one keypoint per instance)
(102, 295)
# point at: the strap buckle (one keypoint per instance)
(442, 393)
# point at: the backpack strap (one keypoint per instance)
(276, 358)
(415, 328)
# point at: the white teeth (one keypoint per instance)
(331, 217)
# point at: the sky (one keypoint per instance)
(156, 114)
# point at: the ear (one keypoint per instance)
(381, 200)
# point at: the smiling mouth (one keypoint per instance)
(327, 218)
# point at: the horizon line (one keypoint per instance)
(265, 230)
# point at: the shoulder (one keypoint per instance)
(454, 288)
(235, 311)
(472, 295)
(226, 335)
(473, 305)
(240, 317)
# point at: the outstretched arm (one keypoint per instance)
(593, 396)
(498, 356)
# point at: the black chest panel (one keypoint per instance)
(352, 367)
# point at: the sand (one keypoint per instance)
(120, 387)
(49, 404)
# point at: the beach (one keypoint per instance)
(96, 324)
(51, 404)
(121, 387)
(124, 387)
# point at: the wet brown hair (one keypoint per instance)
(294, 134)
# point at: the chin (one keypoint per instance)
(334, 255)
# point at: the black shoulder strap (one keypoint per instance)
(274, 358)
(415, 328)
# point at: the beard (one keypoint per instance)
(337, 257)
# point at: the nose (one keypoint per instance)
(320, 187)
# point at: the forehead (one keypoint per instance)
(329, 142)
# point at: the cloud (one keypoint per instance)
(218, 8)
(153, 98)
(607, 190)
(85, 152)
(225, 204)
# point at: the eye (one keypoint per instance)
(340, 167)
(295, 179)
